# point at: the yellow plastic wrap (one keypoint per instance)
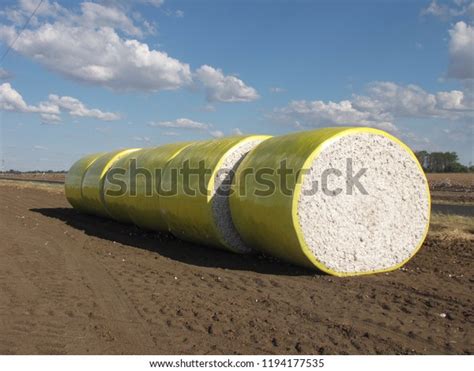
(145, 210)
(116, 196)
(270, 223)
(73, 182)
(93, 182)
(190, 217)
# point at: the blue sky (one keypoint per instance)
(102, 75)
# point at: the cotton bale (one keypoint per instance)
(197, 208)
(318, 218)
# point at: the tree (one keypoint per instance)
(441, 162)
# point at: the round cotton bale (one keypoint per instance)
(145, 208)
(331, 213)
(93, 182)
(197, 208)
(117, 186)
(73, 181)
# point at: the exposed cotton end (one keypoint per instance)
(350, 232)
(220, 195)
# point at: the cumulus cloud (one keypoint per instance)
(97, 45)
(96, 15)
(50, 118)
(461, 51)
(319, 113)
(302, 113)
(383, 103)
(76, 108)
(237, 131)
(223, 88)
(91, 15)
(181, 123)
(99, 56)
(413, 101)
(12, 100)
(20, 14)
(50, 110)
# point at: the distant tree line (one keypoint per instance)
(442, 162)
(13, 171)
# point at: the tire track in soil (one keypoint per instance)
(82, 293)
(108, 311)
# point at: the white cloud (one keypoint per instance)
(93, 45)
(223, 88)
(181, 123)
(96, 15)
(461, 51)
(380, 107)
(413, 101)
(50, 110)
(92, 15)
(47, 8)
(237, 131)
(76, 108)
(11, 100)
(100, 56)
(304, 113)
(25, 9)
(50, 118)
(216, 133)
(446, 11)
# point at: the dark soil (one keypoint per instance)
(76, 284)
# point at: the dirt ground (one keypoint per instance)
(453, 182)
(59, 177)
(76, 284)
(463, 179)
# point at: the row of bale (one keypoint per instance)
(346, 201)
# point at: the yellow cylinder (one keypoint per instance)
(130, 190)
(74, 177)
(358, 233)
(93, 182)
(191, 205)
(145, 209)
(117, 185)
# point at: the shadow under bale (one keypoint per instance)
(167, 245)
